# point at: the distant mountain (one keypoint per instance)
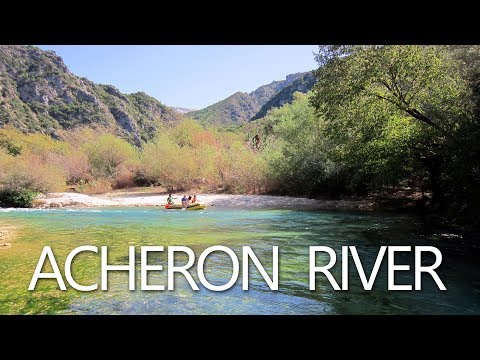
(302, 84)
(237, 108)
(241, 107)
(182, 110)
(39, 94)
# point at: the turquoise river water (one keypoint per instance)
(293, 231)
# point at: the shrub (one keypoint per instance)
(243, 170)
(141, 179)
(168, 164)
(82, 135)
(180, 156)
(29, 173)
(17, 198)
(206, 162)
(185, 131)
(9, 146)
(44, 177)
(107, 153)
(124, 178)
(97, 186)
(76, 167)
(16, 143)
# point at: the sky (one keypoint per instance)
(190, 76)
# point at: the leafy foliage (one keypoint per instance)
(295, 148)
(188, 155)
(108, 154)
(17, 198)
(404, 115)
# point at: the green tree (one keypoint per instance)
(403, 112)
(107, 154)
(166, 163)
(184, 131)
(296, 148)
(419, 80)
(360, 89)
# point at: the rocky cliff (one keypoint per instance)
(39, 94)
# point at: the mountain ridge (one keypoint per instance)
(242, 107)
(302, 84)
(38, 93)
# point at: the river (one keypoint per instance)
(293, 231)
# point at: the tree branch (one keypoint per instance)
(413, 112)
(419, 116)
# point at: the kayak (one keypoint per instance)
(189, 207)
(197, 206)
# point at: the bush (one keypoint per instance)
(107, 154)
(98, 186)
(44, 177)
(9, 146)
(206, 161)
(124, 178)
(16, 143)
(180, 156)
(185, 132)
(29, 172)
(76, 167)
(17, 198)
(141, 179)
(245, 171)
(168, 164)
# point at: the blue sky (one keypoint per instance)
(186, 76)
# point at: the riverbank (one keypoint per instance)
(66, 199)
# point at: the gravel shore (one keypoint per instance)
(54, 200)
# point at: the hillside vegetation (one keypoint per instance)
(39, 94)
(303, 84)
(92, 161)
(381, 119)
(242, 107)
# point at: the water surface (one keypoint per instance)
(292, 230)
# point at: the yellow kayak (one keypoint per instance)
(196, 206)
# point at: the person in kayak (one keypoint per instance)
(184, 201)
(189, 199)
(194, 199)
(170, 199)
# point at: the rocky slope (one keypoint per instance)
(39, 94)
(241, 107)
(285, 96)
